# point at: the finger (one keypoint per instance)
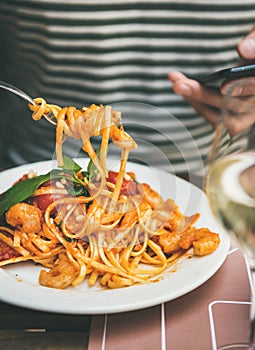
(239, 105)
(246, 47)
(236, 125)
(210, 113)
(192, 89)
(239, 87)
(175, 75)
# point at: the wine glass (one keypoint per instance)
(230, 180)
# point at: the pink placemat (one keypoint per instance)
(210, 316)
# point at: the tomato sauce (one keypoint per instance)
(7, 252)
(128, 187)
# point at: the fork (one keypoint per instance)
(23, 95)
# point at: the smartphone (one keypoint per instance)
(229, 73)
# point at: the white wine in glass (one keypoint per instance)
(230, 181)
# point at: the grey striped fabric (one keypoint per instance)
(75, 52)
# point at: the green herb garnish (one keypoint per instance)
(24, 189)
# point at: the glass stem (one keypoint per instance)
(252, 309)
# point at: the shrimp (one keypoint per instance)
(60, 276)
(149, 195)
(203, 240)
(121, 138)
(25, 216)
(131, 217)
(169, 241)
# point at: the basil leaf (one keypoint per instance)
(21, 191)
(78, 190)
(24, 189)
(91, 168)
(70, 164)
(85, 175)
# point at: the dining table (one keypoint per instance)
(214, 314)
(209, 316)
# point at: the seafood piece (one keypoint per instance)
(169, 241)
(121, 138)
(149, 195)
(24, 216)
(60, 276)
(131, 217)
(203, 240)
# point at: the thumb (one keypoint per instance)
(246, 47)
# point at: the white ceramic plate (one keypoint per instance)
(19, 282)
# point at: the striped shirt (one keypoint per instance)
(78, 52)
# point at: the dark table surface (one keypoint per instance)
(23, 329)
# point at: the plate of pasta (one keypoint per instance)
(99, 235)
(20, 281)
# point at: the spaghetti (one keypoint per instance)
(102, 227)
